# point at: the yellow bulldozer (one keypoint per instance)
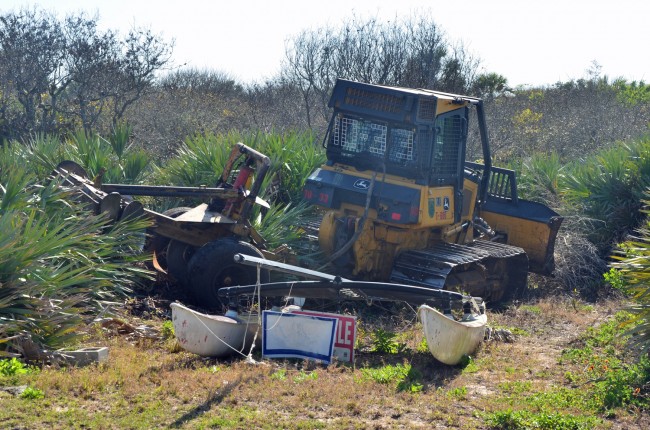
(401, 203)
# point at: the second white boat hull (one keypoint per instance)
(450, 340)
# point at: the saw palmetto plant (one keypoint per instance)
(202, 159)
(59, 264)
(540, 177)
(632, 263)
(608, 189)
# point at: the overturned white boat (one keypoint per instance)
(211, 335)
(450, 340)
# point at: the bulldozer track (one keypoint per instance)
(490, 270)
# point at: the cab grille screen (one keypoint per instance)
(358, 136)
(447, 145)
(427, 110)
(354, 136)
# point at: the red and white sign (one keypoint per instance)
(346, 334)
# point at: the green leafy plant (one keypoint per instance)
(631, 273)
(199, 161)
(524, 420)
(458, 393)
(468, 364)
(516, 387)
(614, 382)
(32, 393)
(540, 177)
(632, 93)
(59, 262)
(280, 374)
(167, 330)
(305, 376)
(384, 341)
(13, 367)
(423, 347)
(387, 374)
(281, 223)
(119, 138)
(135, 166)
(533, 309)
(614, 278)
(608, 188)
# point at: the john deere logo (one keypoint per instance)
(362, 184)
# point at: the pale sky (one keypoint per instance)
(530, 42)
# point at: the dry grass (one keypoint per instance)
(146, 385)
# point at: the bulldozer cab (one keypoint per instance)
(416, 134)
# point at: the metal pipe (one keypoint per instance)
(167, 191)
(248, 260)
(263, 164)
(487, 156)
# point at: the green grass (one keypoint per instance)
(469, 365)
(403, 376)
(144, 385)
(603, 377)
(516, 387)
(531, 309)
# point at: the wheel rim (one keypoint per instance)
(231, 276)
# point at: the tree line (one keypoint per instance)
(58, 76)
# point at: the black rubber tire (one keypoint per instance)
(159, 243)
(213, 267)
(178, 257)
